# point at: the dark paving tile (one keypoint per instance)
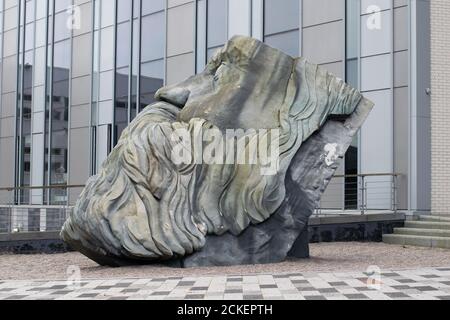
(118, 298)
(199, 288)
(186, 283)
(268, 286)
(88, 295)
(444, 298)
(233, 291)
(58, 287)
(443, 269)
(104, 287)
(234, 279)
(122, 285)
(430, 276)
(315, 298)
(161, 293)
(16, 297)
(195, 296)
(363, 289)
(306, 289)
(253, 297)
(356, 296)
(400, 288)
(447, 283)
(300, 281)
(406, 280)
(295, 275)
(397, 295)
(280, 276)
(62, 292)
(425, 288)
(390, 274)
(130, 290)
(6, 289)
(337, 284)
(327, 290)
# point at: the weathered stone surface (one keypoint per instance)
(145, 206)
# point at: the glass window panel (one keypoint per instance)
(61, 5)
(152, 6)
(106, 86)
(9, 74)
(105, 112)
(124, 10)
(41, 9)
(97, 14)
(287, 42)
(352, 72)
(29, 11)
(137, 8)
(352, 67)
(40, 66)
(96, 52)
(59, 120)
(62, 55)
(123, 47)
(29, 36)
(39, 99)
(41, 30)
(10, 19)
(107, 49)
(152, 78)
(217, 22)
(121, 102)
(61, 29)
(107, 13)
(153, 39)
(10, 43)
(278, 18)
(352, 19)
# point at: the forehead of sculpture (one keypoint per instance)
(247, 85)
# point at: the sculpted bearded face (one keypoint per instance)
(145, 206)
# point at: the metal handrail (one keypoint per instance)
(368, 175)
(54, 187)
(362, 188)
(63, 186)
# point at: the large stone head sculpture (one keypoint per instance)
(225, 169)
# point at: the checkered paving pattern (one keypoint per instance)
(423, 284)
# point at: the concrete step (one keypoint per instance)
(423, 232)
(417, 241)
(435, 218)
(427, 225)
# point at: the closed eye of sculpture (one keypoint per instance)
(145, 206)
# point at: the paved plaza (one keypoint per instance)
(424, 284)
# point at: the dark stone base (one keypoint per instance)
(34, 247)
(348, 232)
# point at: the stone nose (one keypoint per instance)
(175, 95)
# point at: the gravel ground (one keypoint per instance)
(325, 257)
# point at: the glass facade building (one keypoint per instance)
(74, 73)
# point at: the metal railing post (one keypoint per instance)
(394, 193)
(11, 206)
(363, 195)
